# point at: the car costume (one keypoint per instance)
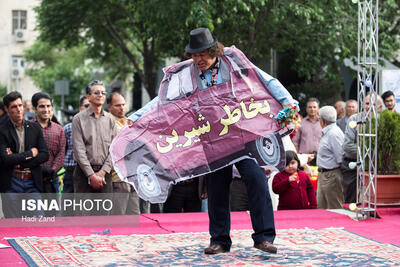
(191, 129)
(203, 122)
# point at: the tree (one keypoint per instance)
(3, 91)
(142, 30)
(312, 34)
(46, 64)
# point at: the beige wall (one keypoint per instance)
(9, 47)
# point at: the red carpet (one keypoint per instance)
(385, 230)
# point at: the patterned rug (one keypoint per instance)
(296, 247)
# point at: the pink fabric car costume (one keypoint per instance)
(192, 131)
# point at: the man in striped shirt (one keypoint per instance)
(53, 134)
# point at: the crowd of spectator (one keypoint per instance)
(35, 147)
(324, 138)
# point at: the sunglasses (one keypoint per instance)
(86, 105)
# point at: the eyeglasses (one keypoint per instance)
(86, 105)
(100, 92)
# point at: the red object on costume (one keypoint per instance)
(292, 134)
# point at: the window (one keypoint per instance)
(178, 84)
(18, 20)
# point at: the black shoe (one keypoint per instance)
(214, 249)
(267, 247)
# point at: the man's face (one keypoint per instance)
(28, 105)
(85, 104)
(203, 60)
(351, 108)
(44, 109)
(97, 95)
(117, 106)
(312, 109)
(339, 108)
(368, 102)
(389, 102)
(15, 111)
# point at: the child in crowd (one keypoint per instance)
(294, 186)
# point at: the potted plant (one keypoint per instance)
(388, 162)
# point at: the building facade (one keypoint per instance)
(17, 32)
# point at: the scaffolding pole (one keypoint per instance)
(367, 127)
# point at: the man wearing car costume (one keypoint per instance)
(212, 111)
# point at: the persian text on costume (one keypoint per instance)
(233, 116)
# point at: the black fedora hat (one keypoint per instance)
(200, 40)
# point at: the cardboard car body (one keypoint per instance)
(192, 131)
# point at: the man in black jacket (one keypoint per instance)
(22, 150)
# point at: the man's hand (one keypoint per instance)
(35, 151)
(308, 170)
(130, 123)
(287, 117)
(310, 157)
(267, 171)
(96, 181)
(288, 106)
(9, 152)
(101, 173)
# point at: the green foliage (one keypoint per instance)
(389, 142)
(314, 33)
(388, 147)
(311, 37)
(47, 63)
(139, 32)
(3, 91)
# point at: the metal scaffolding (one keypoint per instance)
(367, 78)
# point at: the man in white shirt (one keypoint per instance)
(329, 157)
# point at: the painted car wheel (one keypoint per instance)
(147, 180)
(268, 149)
(150, 180)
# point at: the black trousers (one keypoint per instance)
(349, 181)
(184, 197)
(260, 205)
(239, 200)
